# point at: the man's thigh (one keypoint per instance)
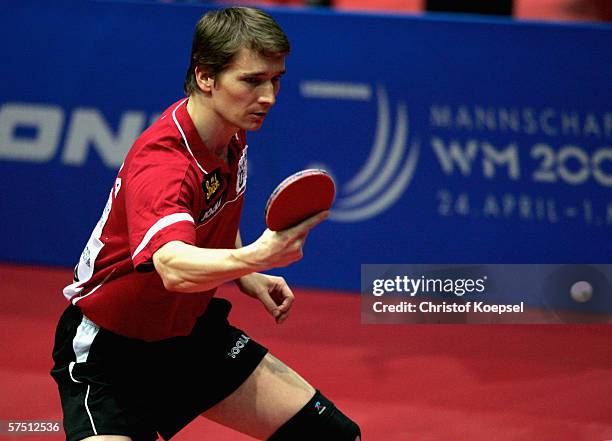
(269, 397)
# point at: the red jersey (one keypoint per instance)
(170, 187)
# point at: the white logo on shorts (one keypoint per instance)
(240, 343)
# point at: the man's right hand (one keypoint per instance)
(276, 249)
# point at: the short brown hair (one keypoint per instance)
(221, 33)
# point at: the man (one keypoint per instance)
(144, 348)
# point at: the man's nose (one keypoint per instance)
(268, 95)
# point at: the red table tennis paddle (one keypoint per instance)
(298, 197)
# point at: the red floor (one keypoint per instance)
(400, 382)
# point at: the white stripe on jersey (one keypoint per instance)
(160, 225)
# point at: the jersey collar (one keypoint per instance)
(207, 162)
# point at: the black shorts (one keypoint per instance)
(114, 385)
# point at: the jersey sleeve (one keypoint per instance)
(159, 188)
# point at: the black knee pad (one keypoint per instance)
(319, 419)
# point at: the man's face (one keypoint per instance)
(246, 90)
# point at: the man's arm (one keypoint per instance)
(186, 268)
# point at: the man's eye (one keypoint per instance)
(252, 80)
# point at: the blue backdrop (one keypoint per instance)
(451, 140)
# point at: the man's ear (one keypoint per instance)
(204, 80)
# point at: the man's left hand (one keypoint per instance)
(272, 291)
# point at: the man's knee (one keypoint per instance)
(318, 419)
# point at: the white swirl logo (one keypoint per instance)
(389, 168)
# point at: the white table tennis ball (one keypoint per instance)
(581, 291)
